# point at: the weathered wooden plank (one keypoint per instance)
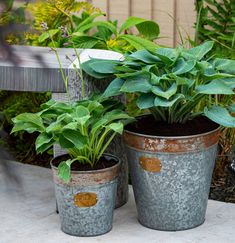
(119, 10)
(186, 17)
(140, 8)
(163, 14)
(104, 6)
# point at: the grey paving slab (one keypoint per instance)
(27, 215)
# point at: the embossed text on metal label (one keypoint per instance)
(85, 199)
(150, 164)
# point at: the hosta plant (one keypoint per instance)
(175, 84)
(84, 129)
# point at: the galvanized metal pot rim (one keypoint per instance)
(91, 171)
(172, 137)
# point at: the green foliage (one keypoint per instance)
(74, 24)
(84, 128)
(176, 85)
(216, 21)
(80, 28)
(60, 18)
(12, 104)
(107, 35)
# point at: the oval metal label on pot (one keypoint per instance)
(150, 164)
(85, 199)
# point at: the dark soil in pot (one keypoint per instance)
(104, 162)
(149, 126)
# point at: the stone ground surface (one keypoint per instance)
(27, 215)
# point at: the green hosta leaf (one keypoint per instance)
(43, 142)
(130, 22)
(28, 122)
(220, 115)
(167, 55)
(88, 20)
(115, 115)
(139, 43)
(99, 125)
(200, 51)
(182, 80)
(229, 82)
(146, 101)
(114, 88)
(149, 29)
(66, 118)
(71, 126)
(103, 33)
(155, 80)
(232, 108)
(24, 126)
(74, 138)
(132, 74)
(107, 25)
(183, 66)
(211, 74)
(84, 42)
(64, 170)
(95, 106)
(224, 65)
(104, 66)
(116, 127)
(165, 94)
(138, 83)
(86, 66)
(54, 127)
(81, 115)
(145, 56)
(215, 87)
(167, 103)
(47, 35)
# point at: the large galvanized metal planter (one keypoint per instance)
(171, 178)
(87, 202)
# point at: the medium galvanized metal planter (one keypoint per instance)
(117, 148)
(171, 178)
(87, 202)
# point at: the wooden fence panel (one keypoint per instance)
(119, 10)
(163, 14)
(185, 17)
(140, 8)
(173, 16)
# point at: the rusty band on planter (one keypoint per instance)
(179, 144)
(89, 178)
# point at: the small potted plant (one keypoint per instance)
(86, 177)
(172, 149)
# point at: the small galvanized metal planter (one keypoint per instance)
(171, 178)
(87, 202)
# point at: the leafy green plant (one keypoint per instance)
(176, 85)
(84, 128)
(59, 18)
(216, 21)
(73, 24)
(107, 35)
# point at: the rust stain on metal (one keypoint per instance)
(89, 178)
(171, 145)
(85, 199)
(150, 164)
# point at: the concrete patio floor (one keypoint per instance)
(27, 215)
